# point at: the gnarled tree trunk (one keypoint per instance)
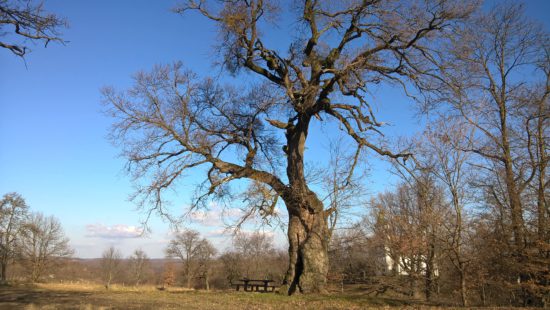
(308, 244)
(308, 233)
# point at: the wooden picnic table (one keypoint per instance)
(250, 285)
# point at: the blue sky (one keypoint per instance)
(53, 146)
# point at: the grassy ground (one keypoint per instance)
(58, 296)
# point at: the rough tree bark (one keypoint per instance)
(308, 245)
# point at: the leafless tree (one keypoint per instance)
(407, 224)
(485, 83)
(232, 265)
(353, 258)
(398, 235)
(13, 213)
(171, 121)
(42, 243)
(110, 264)
(186, 246)
(439, 153)
(342, 191)
(446, 161)
(253, 244)
(30, 23)
(205, 258)
(254, 256)
(536, 112)
(139, 266)
(501, 45)
(254, 249)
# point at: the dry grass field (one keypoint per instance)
(72, 296)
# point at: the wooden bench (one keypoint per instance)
(252, 285)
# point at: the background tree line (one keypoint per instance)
(191, 262)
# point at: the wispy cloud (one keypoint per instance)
(119, 231)
(224, 233)
(217, 233)
(216, 216)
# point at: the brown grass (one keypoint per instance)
(92, 296)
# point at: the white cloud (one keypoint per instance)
(216, 216)
(225, 233)
(207, 218)
(119, 231)
(217, 233)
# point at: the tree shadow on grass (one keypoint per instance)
(16, 298)
(365, 295)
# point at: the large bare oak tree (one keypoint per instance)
(172, 121)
